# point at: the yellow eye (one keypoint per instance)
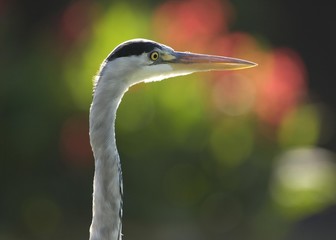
(154, 56)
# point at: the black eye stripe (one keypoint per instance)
(132, 48)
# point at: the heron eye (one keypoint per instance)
(154, 56)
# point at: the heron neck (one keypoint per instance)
(107, 186)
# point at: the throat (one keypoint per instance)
(107, 186)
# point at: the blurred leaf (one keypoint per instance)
(301, 127)
(119, 23)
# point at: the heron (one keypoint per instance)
(131, 62)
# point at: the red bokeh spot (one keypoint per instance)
(3, 7)
(75, 144)
(277, 84)
(76, 21)
(236, 44)
(192, 22)
(283, 87)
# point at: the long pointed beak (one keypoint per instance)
(195, 62)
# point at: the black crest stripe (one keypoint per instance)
(132, 49)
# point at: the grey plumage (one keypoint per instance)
(131, 62)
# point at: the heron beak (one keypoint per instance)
(195, 62)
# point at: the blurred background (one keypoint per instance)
(244, 155)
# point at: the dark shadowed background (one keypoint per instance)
(244, 155)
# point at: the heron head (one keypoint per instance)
(142, 60)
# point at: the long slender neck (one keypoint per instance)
(107, 186)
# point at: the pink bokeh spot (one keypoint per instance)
(283, 88)
(75, 145)
(276, 86)
(75, 23)
(192, 22)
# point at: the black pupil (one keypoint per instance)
(154, 55)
